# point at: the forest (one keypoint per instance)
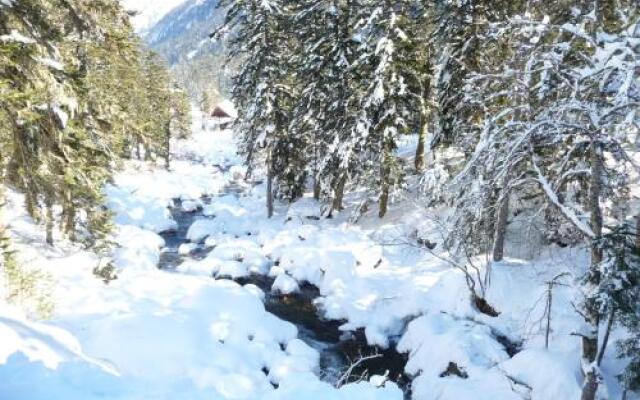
(79, 93)
(429, 175)
(520, 108)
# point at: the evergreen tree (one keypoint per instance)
(71, 88)
(327, 108)
(388, 102)
(561, 116)
(263, 88)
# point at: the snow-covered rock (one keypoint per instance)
(238, 172)
(549, 375)
(285, 284)
(200, 229)
(191, 205)
(137, 248)
(254, 290)
(187, 248)
(232, 269)
(202, 268)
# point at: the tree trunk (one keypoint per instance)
(385, 181)
(385, 178)
(605, 339)
(384, 200)
(138, 154)
(249, 163)
(269, 187)
(592, 314)
(167, 146)
(49, 220)
(316, 188)
(4, 239)
(638, 232)
(70, 217)
(422, 137)
(501, 228)
(71, 228)
(6, 253)
(339, 194)
(247, 176)
(32, 204)
(147, 153)
(590, 386)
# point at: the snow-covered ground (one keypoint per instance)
(153, 334)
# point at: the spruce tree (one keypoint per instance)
(262, 88)
(71, 83)
(388, 102)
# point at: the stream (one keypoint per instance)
(338, 349)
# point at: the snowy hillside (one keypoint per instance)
(149, 11)
(184, 32)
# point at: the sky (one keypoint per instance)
(151, 11)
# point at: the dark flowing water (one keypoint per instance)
(338, 350)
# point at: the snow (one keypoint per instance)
(553, 197)
(191, 54)
(16, 37)
(187, 248)
(155, 189)
(442, 339)
(437, 340)
(62, 116)
(191, 205)
(228, 107)
(548, 375)
(138, 247)
(194, 338)
(304, 208)
(161, 334)
(192, 333)
(51, 63)
(285, 284)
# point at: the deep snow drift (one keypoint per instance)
(153, 334)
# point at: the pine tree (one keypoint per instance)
(388, 102)
(263, 88)
(327, 107)
(70, 82)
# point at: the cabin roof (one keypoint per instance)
(218, 112)
(224, 109)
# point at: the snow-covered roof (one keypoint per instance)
(228, 107)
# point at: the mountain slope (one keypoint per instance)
(183, 33)
(149, 12)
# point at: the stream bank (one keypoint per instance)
(344, 356)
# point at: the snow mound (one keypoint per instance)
(308, 208)
(285, 284)
(454, 359)
(548, 375)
